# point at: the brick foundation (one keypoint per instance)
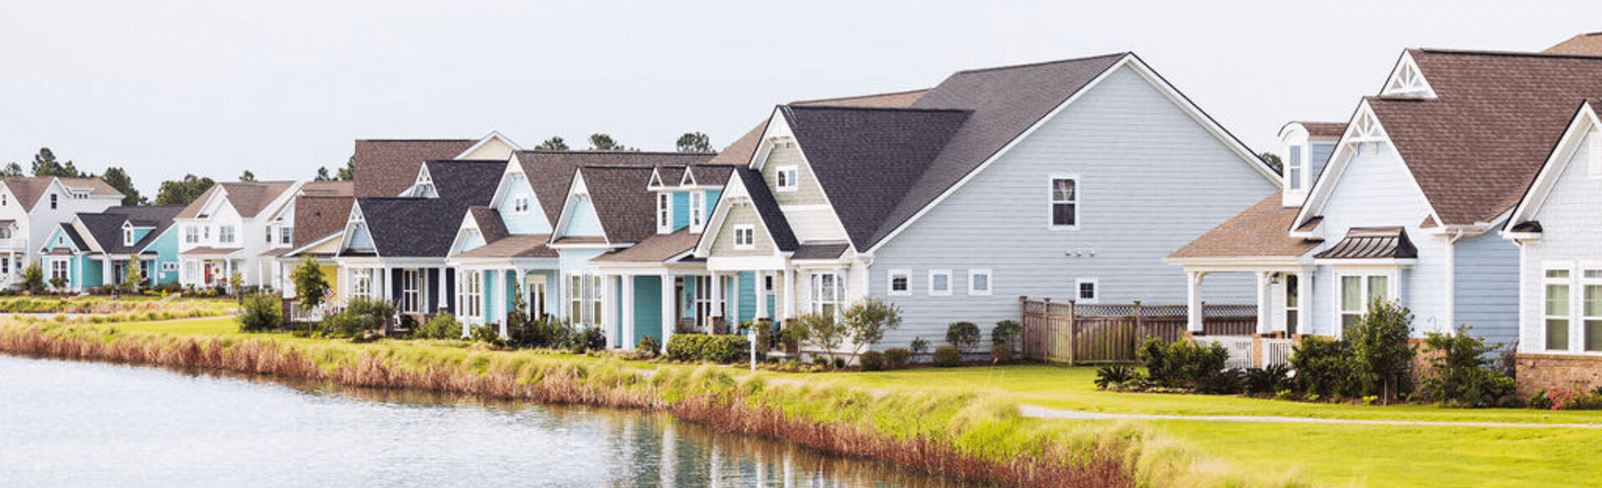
(1537, 372)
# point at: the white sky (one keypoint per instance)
(165, 88)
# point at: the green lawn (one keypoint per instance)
(1271, 453)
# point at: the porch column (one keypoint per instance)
(761, 295)
(734, 300)
(388, 292)
(668, 311)
(1304, 297)
(106, 274)
(1265, 301)
(717, 295)
(1193, 301)
(787, 293)
(628, 312)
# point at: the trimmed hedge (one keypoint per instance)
(722, 349)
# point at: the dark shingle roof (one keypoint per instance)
(550, 173)
(386, 167)
(821, 251)
(72, 233)
(740, 151)
(1475, 148)
(867, 158)
(106, 227)
(626, 210)
(772, 217)
(425, 227)
(490, 225)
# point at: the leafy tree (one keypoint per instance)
(1273, 161)
(134, 279)
(348, 172)
(322, 175)
(311, 288)
(603, 142)
(1379, 344)
(694, 142)
(11, 169)
(33, 278)
(120, 180)
(555, 143)
(45, 164)
(867, 321)
(248, 175)
(181, 192)
(823, 331)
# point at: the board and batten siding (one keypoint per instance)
(1150, 180)
(1571, 222)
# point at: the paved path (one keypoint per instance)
(1054, 413)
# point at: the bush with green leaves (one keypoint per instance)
(442, 326)
(1116, 376)
(897, 358)
(1268, 380)
(1462, 373)
(964, 335)
(871, 361)
(590, 339)
(867, 321)
(1007, 332)
(919, 346)
(714, 348)
(360, 317)
(822, 331)
(33, 279)
(1000, 353)
(260, 312)
(486, 333)
(649, 345)
(1380, 350)
(947, 356)
(1185, 364)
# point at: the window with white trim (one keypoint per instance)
(575, 298)
(900, 282)
(412, 291)
(1591, 307)
(520, 205)
(1294, 166)
(1555, 308)
(979, 282)
(697, 211)
(58, 269)
(225, 234)
(828, 292)
(1087, 290)
(286, 235)
(1358, 292)
(597, 305)
(472, 302)
(127, 236)
(939, 282)
(664, 212)
(169, 267)
(191, 234)
(54, 200)
(745, 236)
(1064, 202)
(361, 283)
(785, 177)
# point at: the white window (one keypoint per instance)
(979, 282)
(697, 210)
(1064, 202)
(5, 200)
(664, 212)
(286, 235)
(5, 266)
(703, 300)
(575, 299)
(597, 304)
(1556, 308)
(267, 233)
(828, 292)
(1294, 167)
(205, 232)
(5, 232)
(1358, 292)
(225, 234)
(412, 292)
(900, 282)
(744, 236)
(1087, 290)
(361, 283)
(169, 267)
(520, 205)
(191, 234)
(939, 282)
(1591, 307)
(786, 178)
(127, 236)
(472, 294)
(58, 269)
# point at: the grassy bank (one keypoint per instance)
(105, 309)
(957, 434)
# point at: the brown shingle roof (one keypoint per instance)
(627, 212)
(1476, 147)
(317, 217)
(1331, 130)
(387, 167)
(30, 189)
(247, 197)
(1584, 44)
(654, 249)
(329, 188)
(1258, 231)
(550, 173)
(740, 151)
(518, 246)
(490, 225)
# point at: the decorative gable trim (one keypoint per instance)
(354, 223)
(779, 132)
(1585, 123)
(688, 180)
(1407, 81)
(423, 186)
(1364, 132)
(656, 180)
(468, 224)
(509, 177)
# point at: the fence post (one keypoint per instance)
(1023, 316)
(1073, 326)
(1140, 326)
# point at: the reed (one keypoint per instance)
(963, 436)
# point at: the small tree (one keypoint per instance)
(1379, 344)
(235, 282)
(867, 321)
(822, 331)
(1462, 372)
(311, 289)
(260, 312)
(964, 335)
(33, 279)
(133, 280)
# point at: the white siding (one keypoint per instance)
(1151, 179)
(1571, 219)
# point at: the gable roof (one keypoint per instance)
(426, 227)
(625, 209)
(387, 167)
(248, 198)
(866, 159)
(756, 188)
(29, 190)
(317, 217)
(105, 228)
(550, 172)
(490, 225)
(1584, 122)
(1475, 147)
(1588, 44)
(741, 150)
(328, 188)
(72, 235)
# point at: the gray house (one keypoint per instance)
(1067, 179)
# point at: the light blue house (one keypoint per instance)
(97, 249)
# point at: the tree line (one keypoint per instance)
(182, 191)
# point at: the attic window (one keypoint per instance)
(786, 178)
(664, 213)
(54, 200)
(520, 204)
(127, 236)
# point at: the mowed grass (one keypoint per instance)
(1270, 453)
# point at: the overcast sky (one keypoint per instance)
(167, 88)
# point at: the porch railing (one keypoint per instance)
(1240, 349)
(1276, 351)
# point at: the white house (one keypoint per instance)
(225, 231)
(31, 207)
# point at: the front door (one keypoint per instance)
(536, 296)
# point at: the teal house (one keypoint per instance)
(98, 249)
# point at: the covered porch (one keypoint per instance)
(205, 267)
(419, 288)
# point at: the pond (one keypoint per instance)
(67, 423)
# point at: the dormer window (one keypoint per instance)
(127, 236)
(786, 178)
(697, 211)
(520, 204)
(664, 212)
(1295, 166)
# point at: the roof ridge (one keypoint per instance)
(589, 151)
(884, 109)
(859, 97)
(1515, 54)
(1043, 63)
(417, 140)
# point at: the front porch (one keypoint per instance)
(418, 288)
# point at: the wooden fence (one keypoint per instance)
(1102, 334)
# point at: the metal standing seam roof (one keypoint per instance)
(1372, 243)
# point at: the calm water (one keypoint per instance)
(68, 423)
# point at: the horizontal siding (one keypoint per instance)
(807, 191)
(1486, 287)
(1152, 179)
(583, 221)
(741, 213)
(1571, 232)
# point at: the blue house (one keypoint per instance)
(97, 249)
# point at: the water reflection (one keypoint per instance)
(74, 424)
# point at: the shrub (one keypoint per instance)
(1116, 376)
(33, 280)
(1225, 382)
(871, 361)
(649, 345)
(1268, 380)
(486, 333)
(867, 321)
(591, 339)
(947, 356)
(360, 317)
(1185, 365)
(1006, 333)
(1379, 346)
(919, 346)
(963, 335)
(823, 332)
(1001, 353)
(1463, 373)
(722, 349)
(1560, 398)
(442, 326)
(896, 358)
(1323, 368)
(792, 335)
(260, 312)
(58, 283)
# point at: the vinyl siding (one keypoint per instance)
(531, 222)
(1486, 287)
(681, 210)
(1151, 179)
(1321, 152)
(1571, 233)
(741, 213)
(583, 221)
(807, 191)
(166, 247)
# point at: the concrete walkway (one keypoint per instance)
(1054, 413)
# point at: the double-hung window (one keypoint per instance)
(697, 210)
(827, 294)
(1358, 292)
(520, 205)
(939, 282)
(597, 304)
(745, 236)
(54, 201)
(575, 298)
(785, 178)
(1591, 306)
(58, 269)
(191, 233)
(1294, 166)
(472, 294)
(1064, 202)
(900, 282)
(286, 235)
(664, 212)
(225, 234)
(361, 283)
(1555, 308)
(127, 236)
(411, 291)
(979, 282)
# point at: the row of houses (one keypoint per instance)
(1467, 189)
